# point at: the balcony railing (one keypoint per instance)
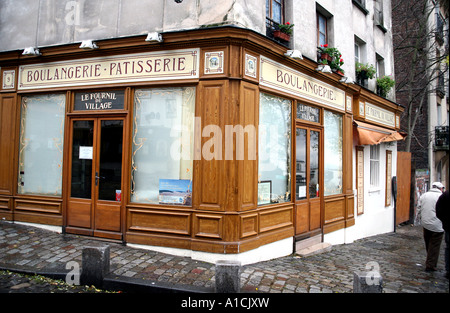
(441, 138)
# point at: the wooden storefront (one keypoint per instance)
(114, 99)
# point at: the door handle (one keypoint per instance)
(97, 178)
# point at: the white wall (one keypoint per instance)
(377, 218)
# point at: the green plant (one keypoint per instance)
(367, 68)
(286, 28)
(384, 85)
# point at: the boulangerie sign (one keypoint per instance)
(281, 77)
(151, 66)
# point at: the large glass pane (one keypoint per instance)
(82, 153)
(333, 153)
(41, 144)
(163, 145)
(301, 164)
(274, 150)
(314, 144)
(110, 178)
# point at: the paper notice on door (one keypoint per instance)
(301, 191)
(85, 153)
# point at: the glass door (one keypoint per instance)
(307, 179)
(95, 200)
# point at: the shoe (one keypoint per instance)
(430, 269)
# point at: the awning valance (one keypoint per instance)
(372, 135)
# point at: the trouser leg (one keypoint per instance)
(447, 252)
(433, 247)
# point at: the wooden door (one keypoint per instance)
(403, 187)
(95, 177)
(308, 168)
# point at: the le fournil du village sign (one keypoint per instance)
(102, 100)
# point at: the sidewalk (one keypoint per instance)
(400, 256)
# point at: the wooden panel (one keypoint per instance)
(6, 208)
(314, 218)
(210, 226)
(7, 142)
(347, 154)
(302, 218)
(209, 182)
(41, 211)
(403, 186)
(350, 203)
(249, 225)
(37, 206)
(79, 213)
(248, 165)
(159, 221)
(107, 216)
(334, 209)
(273, 219)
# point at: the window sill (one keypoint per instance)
(374, 190)
(361, 7)
(383, 29)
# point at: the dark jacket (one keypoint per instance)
(443, 210)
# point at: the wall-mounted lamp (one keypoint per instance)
(295, 54)
(31, 51)
(346, 80)
(88, 45)
(154, 37)
(324, 68)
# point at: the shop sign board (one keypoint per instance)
(379, 115)
(99, 100)
(151, 66)
(283, 78)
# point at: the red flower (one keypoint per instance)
(287, 23)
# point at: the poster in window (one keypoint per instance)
(175, 191)
(264, 192)
(388, 178)
(360, 179)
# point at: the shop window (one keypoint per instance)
(374, 166)
(163, 146)
(274, 163)
(333, 153)
(41, 144)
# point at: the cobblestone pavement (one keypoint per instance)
(400, 257)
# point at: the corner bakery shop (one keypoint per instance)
(209, 144)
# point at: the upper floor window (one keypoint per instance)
(380, 66)
(439, 34)
(322, 35)
(274, 11)
(375, 166)
(379, 15)
(357, 53)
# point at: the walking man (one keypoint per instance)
(432, 226)
(443, 213)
